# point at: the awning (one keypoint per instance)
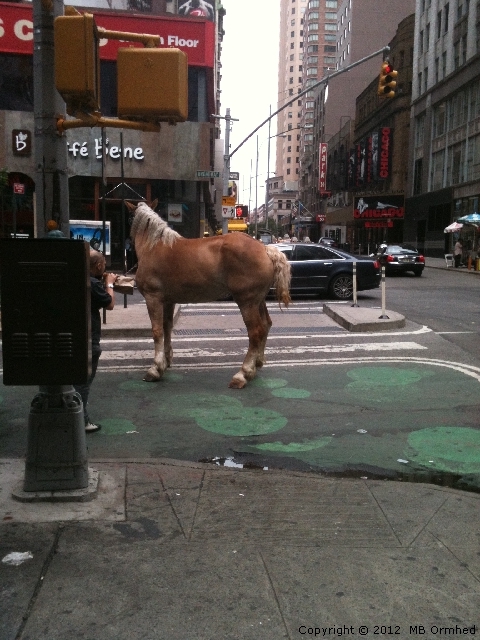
(236, 225)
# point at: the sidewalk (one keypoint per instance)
(171, 550)
(179, 551)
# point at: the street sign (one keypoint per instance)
(208, 174)
(228, 212)
(18, 188)
(229, 201)
(234, 175)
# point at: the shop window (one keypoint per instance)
(16, 82)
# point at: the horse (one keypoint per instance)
(177, 270)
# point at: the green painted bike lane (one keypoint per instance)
(410, 418)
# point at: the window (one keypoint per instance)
(312, 71)
(313, 26)
(439, 120)
(312, 60)
(439, 24)
(312, 37)
(420, 42)
(446, 13)
(331, 16)
(427, 37)
(331, 4)
(330, 27)
(313, 15)
(312, 48)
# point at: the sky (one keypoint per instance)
(249, 86)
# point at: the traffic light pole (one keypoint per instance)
(226, 160)
(51, 182)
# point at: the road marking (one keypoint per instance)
(286, 336)
(469, 370)
(203, 352)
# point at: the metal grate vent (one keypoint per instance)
(20, 345)
(42, 345)
(65, 345)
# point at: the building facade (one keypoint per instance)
(132, 165)
(444, 158)
(334, 102)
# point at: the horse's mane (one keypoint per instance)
(150, 225)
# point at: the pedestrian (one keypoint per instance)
(102, 297)
(457, 252)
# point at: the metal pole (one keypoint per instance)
(122, 175)
(268, 172)
(226, 165)
(355, 284)
(104, 190)
(51, 180)
(384, 313)
(256, 196)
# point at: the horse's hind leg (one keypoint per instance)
(267, 323)
(255, 318)
(155, 311)
(168, 310)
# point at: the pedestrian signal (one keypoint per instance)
(241, 211)
(386, 81)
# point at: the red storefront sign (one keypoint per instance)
(322, 170)
(193, 36)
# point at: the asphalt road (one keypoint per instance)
(385, 404)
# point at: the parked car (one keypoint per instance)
(317, 269)
(328, 242)
(403, 258)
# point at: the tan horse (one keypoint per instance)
(173, 269)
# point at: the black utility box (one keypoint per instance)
(45, 311)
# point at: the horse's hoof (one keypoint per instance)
(237, 384)
(151, 377)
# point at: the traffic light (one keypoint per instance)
(386, 81)
(152, 84)
(77, 62)
(241, 211)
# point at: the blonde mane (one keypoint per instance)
(150, 225)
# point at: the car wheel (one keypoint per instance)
(341, 287)
(418, 273)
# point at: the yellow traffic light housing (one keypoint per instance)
(387, 81)
(152, 84)
(77, 62)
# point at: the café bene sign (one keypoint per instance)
(84, 150)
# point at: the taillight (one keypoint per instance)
(390, 259)
(420, 259)
(376, 264)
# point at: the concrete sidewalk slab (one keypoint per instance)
(363, 319)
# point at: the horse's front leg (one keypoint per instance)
(168, 309)
(156, 313)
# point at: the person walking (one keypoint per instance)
(102, 297)
(457, 252)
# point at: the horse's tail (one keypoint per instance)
(282, 274)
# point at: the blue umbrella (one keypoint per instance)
(472, 218)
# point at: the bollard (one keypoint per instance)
(355, 284)
(384, 313)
